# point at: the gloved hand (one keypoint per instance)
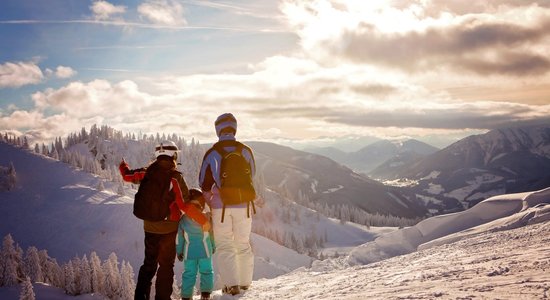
(206, 227)
(123, 167)
(180, 256)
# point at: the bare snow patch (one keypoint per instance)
(432, 175)
(434, 189)
(332, 190)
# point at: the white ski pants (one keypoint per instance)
(234, 257)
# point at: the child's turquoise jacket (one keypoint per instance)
(192, 242)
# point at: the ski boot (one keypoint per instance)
(231, 290)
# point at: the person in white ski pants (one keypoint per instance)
(233, 257)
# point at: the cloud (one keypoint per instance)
(64, 72)
(430, 116)
(162, 12)
(502, 40)
(356, 70)
(458, 47)
(104, 10)
(40, 128)
(98, 97)
(14, 75)
(435, 8)
(301, 99)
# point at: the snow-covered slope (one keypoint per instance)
(496, 250)
(492, 265)
(58, 208)
(496, 213)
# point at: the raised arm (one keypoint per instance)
(134, 176)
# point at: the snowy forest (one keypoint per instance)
(77, 276)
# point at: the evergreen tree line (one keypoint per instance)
(305, 244)
(300, 233)
(350, 213)
(14, 140)
(77, 276)
(107, 147)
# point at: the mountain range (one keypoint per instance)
(505, 160)
(321, 180)
(377, 154)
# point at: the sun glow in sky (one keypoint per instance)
(291, 71)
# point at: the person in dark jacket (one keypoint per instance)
(160, 236)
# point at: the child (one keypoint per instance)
(195, 248)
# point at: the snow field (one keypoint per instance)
(512, 264)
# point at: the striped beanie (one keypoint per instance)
(224, 121)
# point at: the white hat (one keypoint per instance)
(167, 148)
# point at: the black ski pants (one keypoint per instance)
(160, 253)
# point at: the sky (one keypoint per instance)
(320, 72)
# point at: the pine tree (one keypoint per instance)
(31, 265)
(27, 292)
(97, 273)
(54, 154)
(112, 277)
(12, 176)
(76, 272)
(85, 276)
(69, 278)
(8, 261)
(56, 273)
(127, 284)
(19, 262)
(44, 260)
(51, 271)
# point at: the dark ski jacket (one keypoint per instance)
(177, 187)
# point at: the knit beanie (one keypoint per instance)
(224, 121)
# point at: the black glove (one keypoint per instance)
(180, 257)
